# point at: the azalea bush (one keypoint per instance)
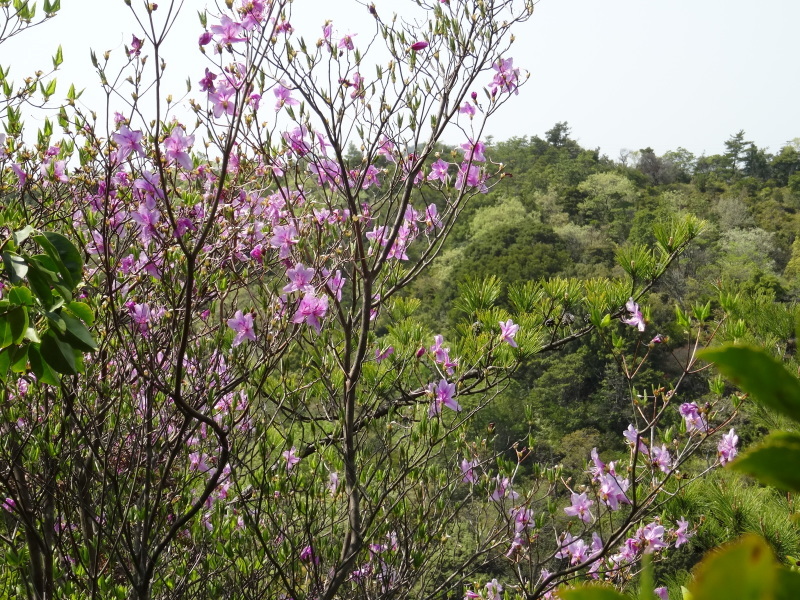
(214, 381)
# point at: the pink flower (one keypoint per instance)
(381, 355)
(726, 449)
(691, 415)
(661, 458)
(472, 176)
(223, 100)
(467, 109)
(205, 39)
(508, 330)
(291, 458)
(243, 326)
(228, 31)
(473, 151)
(580, 507)
(284, 237)
(311, 310)
(175, 147)
(636, 319)
(432, 220)
(680, 532)
(417, 46)
(346, 43)
(283, 95)
(468, 474)
(439, 171)
(662, 593)
(506, 77)
(128, 142)
(307, 555)
(632, 436)
(22, 176)
(197, 462)
(443, 395)
(503, 489)
(136, 47)
(207, 82)
(300, 277)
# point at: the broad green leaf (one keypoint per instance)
(77, 334)
(41, 369)
(591, 592)
(744, 570)
(15, 266)
(18, 323)
(788, 584)
(21, 235)
(774, 462)
(760, 375)
(5, 363)
(58, 354)
(57, 322)
(69, 255)
(57, 261)
(41, 279)
(19, 359)
(82, 311)
(30, 334)
(20, 295)
(6, 336)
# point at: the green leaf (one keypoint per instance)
(58, 354)
(18, 322)
(64, 255)
(774, 462)
(744, 570)
(82, 311)
(77, 334)
(30, 334)
(21, 235)
(591, 592)
(41, 279)
(760, 375)
(5, 364)
(41, 369)
(21, 296)
(6, 336)
(788, 584)
(57, 322)
(19, 359)
(59, 57)
(15, 266)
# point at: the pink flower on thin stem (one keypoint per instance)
(417, 46)
(726, 449)
(346, 43)
(468, 474)
(243, 326)
(311, 310)
(443, 395)
(175, 147)
(508, 330)
(439, 171)
(580, 507)
(291, 458)
(636, 318)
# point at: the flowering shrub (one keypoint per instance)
(256, 411)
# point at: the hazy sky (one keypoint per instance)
(623, 73)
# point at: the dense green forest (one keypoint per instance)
(564, 211)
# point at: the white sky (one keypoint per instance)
(623, 73)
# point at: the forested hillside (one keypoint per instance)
(563, 211)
